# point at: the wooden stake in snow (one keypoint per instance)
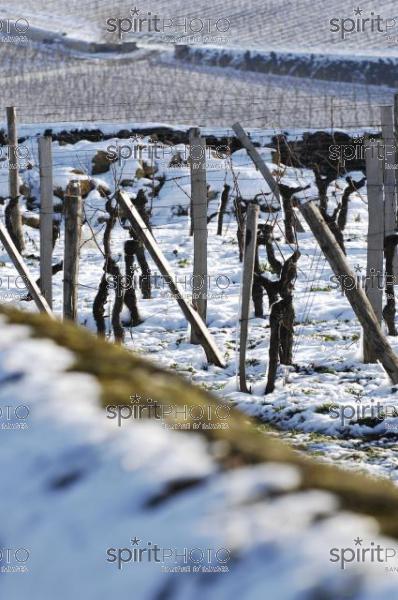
(375, 251)
(46, 217)
(396, 136)
(13, 213)
(256, 158)
(390, 195)
(355, 295)
(23, 271)
(390, 199)
(73, 222)
(250, 246)
(142, 232)
(199, 220)
(262, 167)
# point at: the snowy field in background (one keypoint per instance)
(149, 84)
(298, 25)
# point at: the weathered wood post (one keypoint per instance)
(395, 118)
(73, 221)
(142, 233)
(257, 160)
(250, 245)
(199, 220)
(390, 216)
(390, 174)
(355, 295)
(23, 271)
(46, 217)
(13, 213)
(262, 167)
(390, 199)
(375, 248)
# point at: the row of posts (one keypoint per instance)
(73, 223)
(73, 215)
(382, 204)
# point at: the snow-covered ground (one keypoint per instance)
(96, 511)
(330, 403)
(81, 497)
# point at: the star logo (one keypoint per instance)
(358, 11)
(358, 269)
(358, 541)
(135, 398)
(134, 12)
(135, 541)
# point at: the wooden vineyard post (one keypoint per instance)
(46, 217)
(395, 117)
(142, 233)
(390, 199)
(250, 245)
(375, 248)
(23, 271)
(256, 158)
(13, 213)
(73, 222)
(355, 295)
(262, 167)
(199, 224)
(390, 159)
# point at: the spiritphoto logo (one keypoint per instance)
(363, 22)
(12, 287)
(375, 280)
(358, 553)
(148, 22)
(14, 157)
(181, 156)
(14, 418)
(171, 560)
(14, 31)
(360, 149)
(172, 416)
(14, 560)
(369, 412)
(192, 284)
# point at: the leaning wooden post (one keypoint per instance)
(13, 213)
(375, 248)
(199, 220)
(250, 245)
(355, 295)
(73, 222)
(46, 217)
(262, 167)
(142, 233)
(23, 271)
(257, 160)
